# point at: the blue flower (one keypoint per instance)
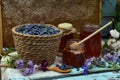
(19, 64)
(85, 70)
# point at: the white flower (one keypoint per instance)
(116, 45)
(114, 33)
(111, 41)
(103, 43)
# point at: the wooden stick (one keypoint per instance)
(59, 70)
(4, 65)
(94, 33)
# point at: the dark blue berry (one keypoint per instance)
(35, 29)
(65, 67)
(57, 65)
(78, 69)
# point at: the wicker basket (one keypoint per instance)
(36, 47)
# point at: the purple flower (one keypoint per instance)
(89, 61)
(44, 62)
(116, 54)
(100, 62)
(114, 57)
(35, 68)
(30, 63)
(44, 65)
(108, 57)
(19, 64)
(27, 71)
(30, 70)
(118, 58)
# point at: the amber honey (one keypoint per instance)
(74, 58)
(64, 40)
(92, 45)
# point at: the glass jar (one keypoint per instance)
(92, 45)
(64, 40)
(75, 57)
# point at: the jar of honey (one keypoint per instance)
(68, 32)
(75, 57)
(92, 45)
(64, 40)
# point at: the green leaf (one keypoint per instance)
(11, 61)
(117, 27)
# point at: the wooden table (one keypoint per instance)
(95, 74)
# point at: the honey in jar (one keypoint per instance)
(92, 45)
(68, 31)
(75, 57)
(64, 40)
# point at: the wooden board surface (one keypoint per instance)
(77, 12)
(1, 40)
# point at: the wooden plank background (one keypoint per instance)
(1, 39)
(77, 12)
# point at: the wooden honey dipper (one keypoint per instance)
(76, 44)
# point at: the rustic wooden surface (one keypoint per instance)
(17, 12)
(1, 40)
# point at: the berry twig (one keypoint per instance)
(4, 65)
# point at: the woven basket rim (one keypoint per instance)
(14, 31)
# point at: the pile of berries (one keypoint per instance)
(64, 67)
(35, 29)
